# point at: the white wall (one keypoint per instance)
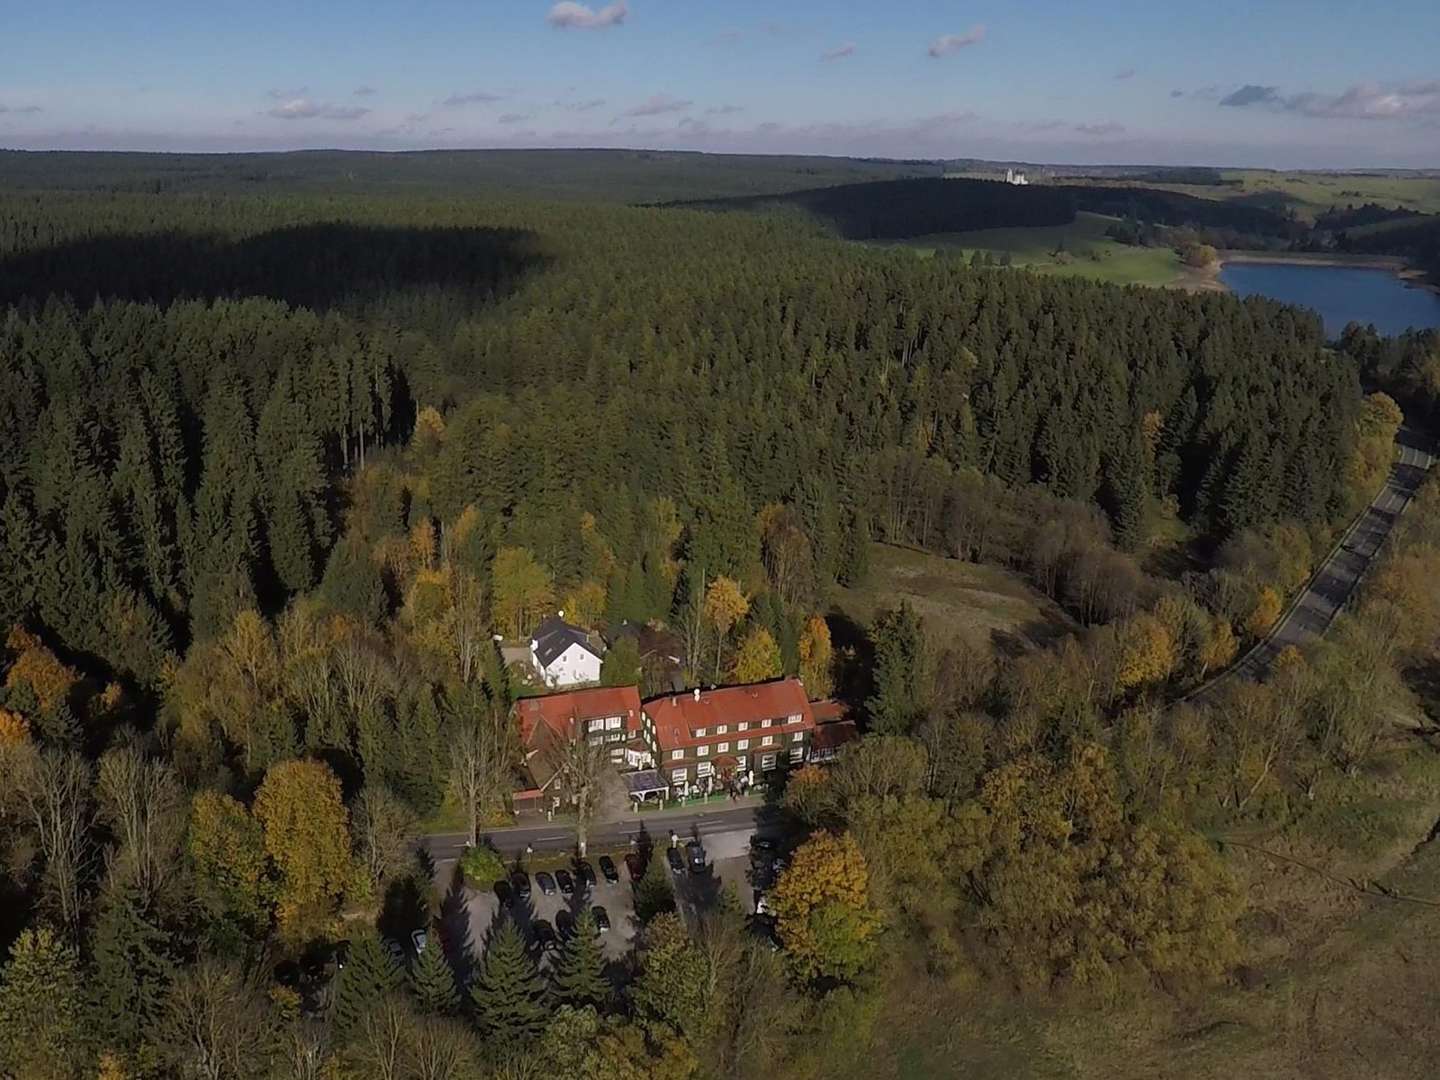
(572, 667)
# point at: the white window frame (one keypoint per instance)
(699, 733)
(742, 744)
(614, 723)
(767, 762)
(741, 762)
(676, 755)
(744, 725)
(702, 751)
(768, 740)
(704, 769)
(797, 754)
(679, 776)
(794, 718)
(798, 736)
(723, 729)
(723, 748)
(597, 724)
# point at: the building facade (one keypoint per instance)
(705, 740)
(564, 655)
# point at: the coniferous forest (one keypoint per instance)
(280, 467)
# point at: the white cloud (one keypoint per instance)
(655, 106)
(305, 109)
(569, 15)
(1363, 101)
(839, 52)
(946, 44)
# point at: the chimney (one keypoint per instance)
(697, 693)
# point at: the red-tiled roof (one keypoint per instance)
(833, 735)
(677, 716)
(562, 712)
(827, 711)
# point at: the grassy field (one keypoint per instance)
(1080, 248)
(982, 604)
(1312, 193)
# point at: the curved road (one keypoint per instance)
(1309, 616)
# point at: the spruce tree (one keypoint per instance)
(432, 981)
(508, 992)
(579, 973)
(369, 974)
(132, 968)
(654, 893)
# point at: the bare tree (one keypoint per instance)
(143, 804)
(481, 756)
(50, 790)
(382, 827)
(467, 623)
(580, 767)
(217, 1024)
(380, 1041)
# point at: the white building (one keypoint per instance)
(1016, 176)
(563, 655)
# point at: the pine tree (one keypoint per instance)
(369, 974)
(40, 1020)
(132, 968)
(900, 672)
(654, 892)
(508, 992)
(579, 973)
(432, 981)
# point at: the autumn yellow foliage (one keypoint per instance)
(300, 808)
(822, 908)
(1265, 613)
(13, 728)
(1147, 652)
(36, 667)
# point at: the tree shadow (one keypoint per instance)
(334, 265)
(405, 907)
(453, 922)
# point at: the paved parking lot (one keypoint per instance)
(468, 913)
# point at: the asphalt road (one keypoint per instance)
(1311, 615)
(721, 821)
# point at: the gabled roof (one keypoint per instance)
(676, 717)
(553, 636)
(560, 714)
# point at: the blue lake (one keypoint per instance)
(1341, 294)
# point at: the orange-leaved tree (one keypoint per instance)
(823, 911)
(303, 816)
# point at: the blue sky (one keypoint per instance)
(1285, 83)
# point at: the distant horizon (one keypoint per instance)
(1357, 170)
(1279, 85)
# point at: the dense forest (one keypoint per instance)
(281, 465)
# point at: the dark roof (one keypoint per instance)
(553, 636)
(638, 783)
(651, 641)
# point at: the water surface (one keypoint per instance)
(1341, 294)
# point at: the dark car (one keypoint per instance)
(607, 867)
(504, 893)
(544, 934)
(546, 883)
(675, 859)
(635, 866)
(695, 856)
(585, 874)
(763, 845)
(601, 917)
(564, 925)
(520, 882)
(566, 882)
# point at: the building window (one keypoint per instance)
(676, 755)
(612, 723)
(797, 754)
(767, 763)
(764, 723)
(595, 725)
(744, 725)
(678, 776)
(722, 729)
(768, 740)
(740, 762)
(794, 718)
(702, 751)
(699, 733)
(617, 754)
(723, 748)
(703, 770)
(743, 744)
(798, 736)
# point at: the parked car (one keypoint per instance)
(565, 925)
(546, 883)
(520, 882)
(585, 874)
(395, 949)
(607, 868)
(675, 859)
(419, 939)
(566, 882)
(695, 856)
(634, 866)
(544, 934)
(763, 845)
(602, 919)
